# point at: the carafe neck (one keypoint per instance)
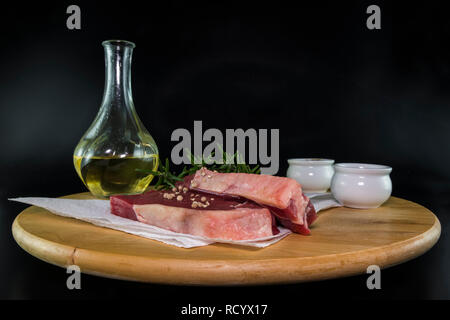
(117, 91)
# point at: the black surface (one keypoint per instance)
(334, 88)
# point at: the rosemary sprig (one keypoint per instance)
(167, 179)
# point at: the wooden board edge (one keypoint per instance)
(50, 252)
(220, 273)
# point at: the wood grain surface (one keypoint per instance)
(344, 242)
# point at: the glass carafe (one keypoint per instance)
(116, 155)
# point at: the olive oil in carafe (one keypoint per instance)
(105, 176)
(116, 155)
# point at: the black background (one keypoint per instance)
(334, 89)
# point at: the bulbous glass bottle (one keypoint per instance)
(117, 154)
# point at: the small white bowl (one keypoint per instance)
(314, 174)
(361, 185)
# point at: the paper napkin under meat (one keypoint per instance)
(98, 212)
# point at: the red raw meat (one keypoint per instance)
(311, 216)
(283, 196)
(214, 217)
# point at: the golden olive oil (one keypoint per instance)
(106, 176)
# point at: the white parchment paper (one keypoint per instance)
(98, 212)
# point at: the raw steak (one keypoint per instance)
(283, 196)
(195, 213)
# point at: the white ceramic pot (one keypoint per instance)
(313, 174)
(360, 185)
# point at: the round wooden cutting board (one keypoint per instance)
(343, 242)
